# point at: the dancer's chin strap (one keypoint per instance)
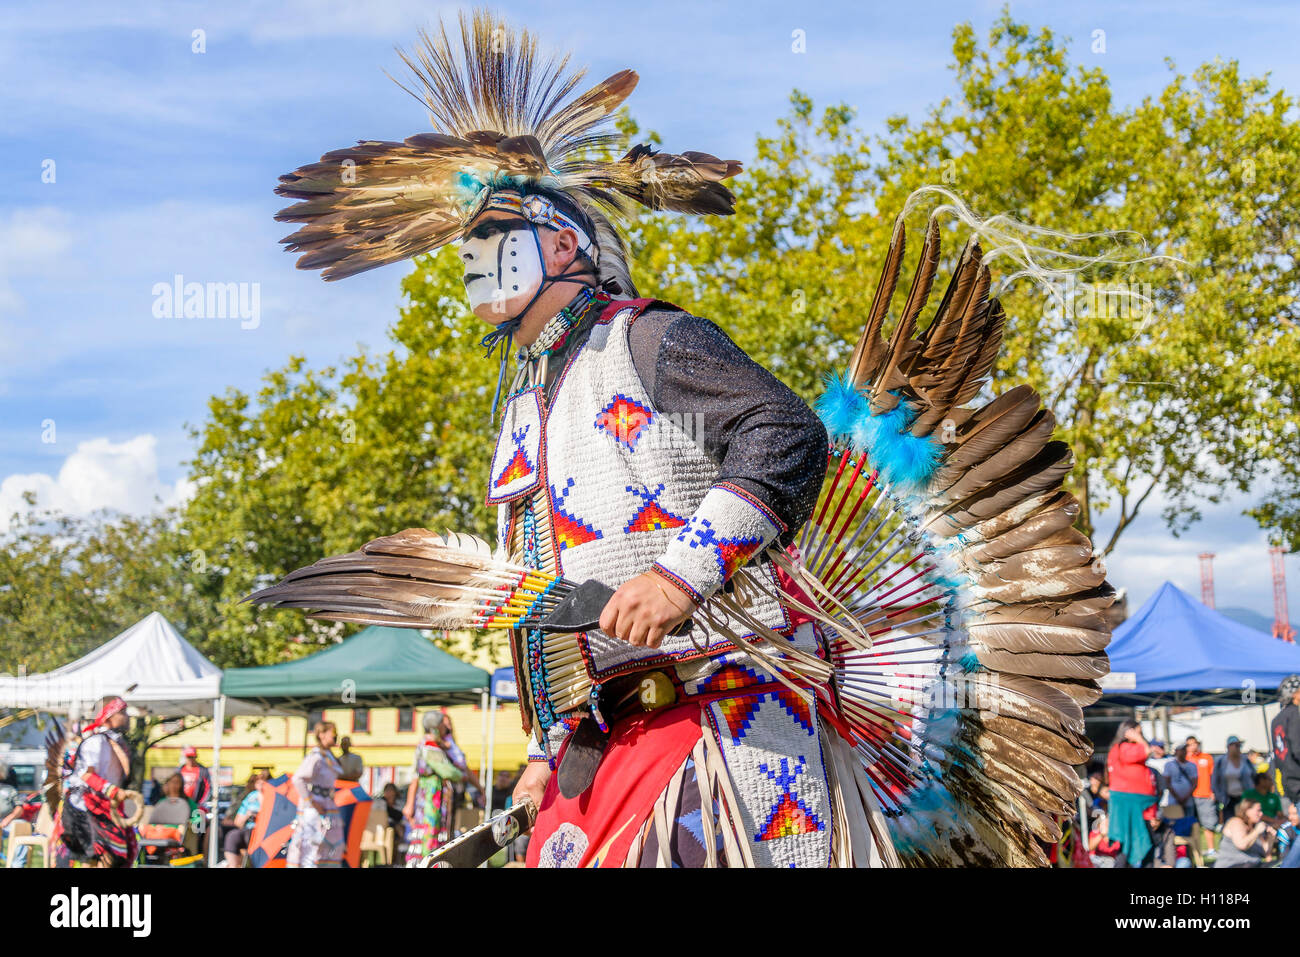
(500, 338)
(502, 335)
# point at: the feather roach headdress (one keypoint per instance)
(507, 124)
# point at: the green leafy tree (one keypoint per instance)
(69, 584)
(1190, 398)
(1184, 401)
(1197, 396)
(324, 460)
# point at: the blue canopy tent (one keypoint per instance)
(503, 685)
(1176, 651)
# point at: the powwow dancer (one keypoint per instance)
(888, 672)
(90, 826)
(318, 837)
(430, 806)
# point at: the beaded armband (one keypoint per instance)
(729, 528)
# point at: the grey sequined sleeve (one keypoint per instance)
(764, 437)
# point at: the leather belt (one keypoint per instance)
(619, 698)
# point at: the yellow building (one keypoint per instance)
(384, 737)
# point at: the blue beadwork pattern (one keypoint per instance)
(729, 552)
(533, 636)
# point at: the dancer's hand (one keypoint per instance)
(532, 783)
(645, 609)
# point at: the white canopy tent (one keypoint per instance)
(151, 666)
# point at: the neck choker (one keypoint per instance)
(558, 328)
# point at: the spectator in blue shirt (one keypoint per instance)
(1176, 777)
(245, 818)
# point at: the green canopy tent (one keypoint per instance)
(377, 667)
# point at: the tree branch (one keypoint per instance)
(1125, 520)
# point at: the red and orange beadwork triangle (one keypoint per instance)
(796, 707)
(738, 713)
(517, 468)
(787, 819)
(651, 517)
(733, 553)
(730, 677)
(569, 529)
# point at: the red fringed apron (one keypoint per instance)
(598, 826)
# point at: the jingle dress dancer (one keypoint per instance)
(768, 684)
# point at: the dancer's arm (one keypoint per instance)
(771, 452)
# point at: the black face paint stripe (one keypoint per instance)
(501, 252)
(492, 227)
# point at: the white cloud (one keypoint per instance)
(1148, 555)
(100, 474)
(33, 239)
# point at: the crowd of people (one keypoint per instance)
(1156, 807)
(1151, 806)
(419, 820)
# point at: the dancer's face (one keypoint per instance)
(503, 268)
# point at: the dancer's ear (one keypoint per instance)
(560, 248)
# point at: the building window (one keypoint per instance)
(405, 719)
(361, 720)
(314, 718)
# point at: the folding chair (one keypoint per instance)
(377, 839)
(40, 837)
(16, 830)
(162, 833)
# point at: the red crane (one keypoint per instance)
(1281, 619)
(1207, 578)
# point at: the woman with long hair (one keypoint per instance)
(1247, 837)
(1132, 792)
(318, 831)
(429, 796)
(243, 816)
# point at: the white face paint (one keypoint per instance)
(502, 269)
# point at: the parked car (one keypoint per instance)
(21, 770)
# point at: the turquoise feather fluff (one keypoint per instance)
(904, 460)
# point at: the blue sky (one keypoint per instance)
(165, 160)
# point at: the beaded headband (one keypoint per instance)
(541, 211)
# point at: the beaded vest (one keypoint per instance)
(596, 484)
